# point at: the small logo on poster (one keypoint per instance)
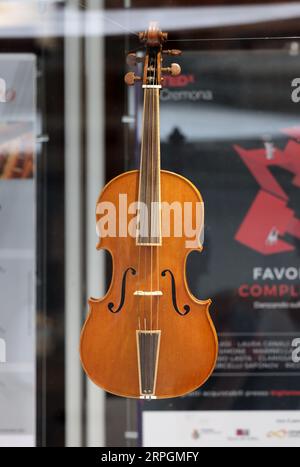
(178, 88)
(283, 434)
(2, 90)
(279, 434)
(2, 351)
(195, 434)
(242, 433)
(180, 81)
(296, 90)
(296, 351)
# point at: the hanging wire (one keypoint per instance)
(203, 39)
(112, 21)
(116, 23)
(221, 39)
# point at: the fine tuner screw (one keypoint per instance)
(130, 78)
(173, 70)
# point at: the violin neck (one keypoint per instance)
(149, 232)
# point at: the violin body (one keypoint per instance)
(148, 337)
(164, 343)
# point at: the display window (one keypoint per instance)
(149, 226)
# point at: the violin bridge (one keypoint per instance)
(153, 293)
(148, 343)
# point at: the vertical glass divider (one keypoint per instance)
(95, 179)
(73, 225)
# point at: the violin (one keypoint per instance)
(149, 337)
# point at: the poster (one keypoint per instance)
(221, 428)
(17, 250)
(229, 124)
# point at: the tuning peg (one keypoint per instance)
(174, 52)
(130, 78)
(132, 59)
(173, 70)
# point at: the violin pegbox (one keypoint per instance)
(153, 69)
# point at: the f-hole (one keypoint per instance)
(186, 308)
(111, 305)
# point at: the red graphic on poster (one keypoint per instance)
(181, 81)
(269, 217)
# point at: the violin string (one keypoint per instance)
(143, 216)
(139, 221)
(153, 207)
(150, 220)
(144, 207)
(145, 167)
(231, 39)
(152, 186)
(156, 175)
(138, 287)
(159, 209)
(151, 226)
(151, 350)
(147, 225)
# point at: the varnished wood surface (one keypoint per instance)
(188, 345)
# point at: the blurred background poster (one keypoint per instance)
(237, 139)
(17, 250)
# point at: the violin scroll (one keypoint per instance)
(153, 37)
(153, 69)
